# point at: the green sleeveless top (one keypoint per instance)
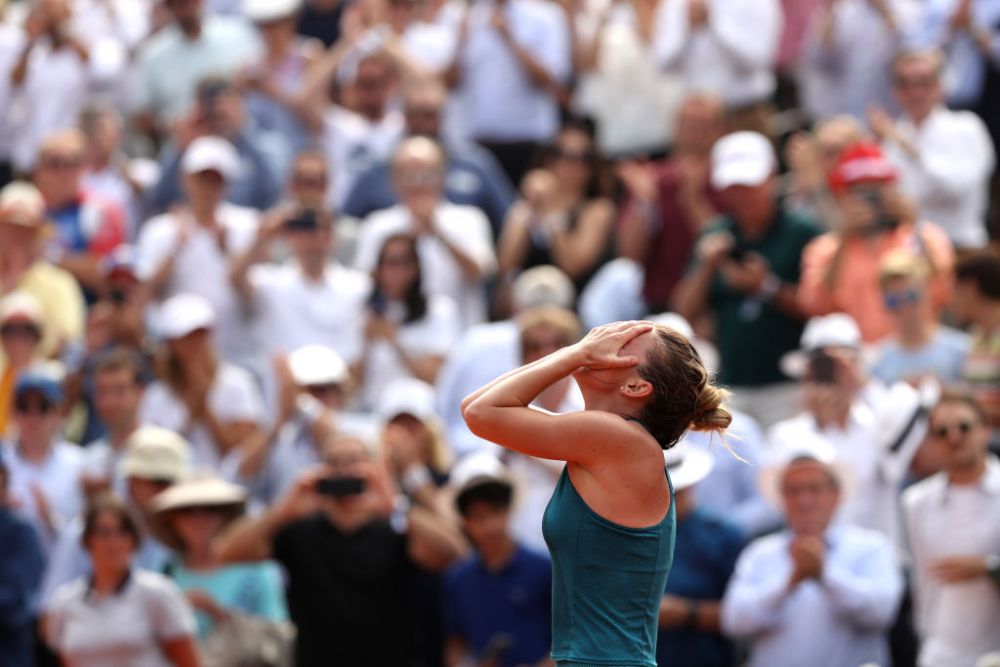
(607, 582)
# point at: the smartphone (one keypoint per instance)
(305, 221)
(822, 367)
(340, 487)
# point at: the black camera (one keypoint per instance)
(340, 487)
(305, 220)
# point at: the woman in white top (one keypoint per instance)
(119, 616)
(408, 331)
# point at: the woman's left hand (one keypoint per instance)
(601, 348)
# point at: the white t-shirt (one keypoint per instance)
(353, 145)
(126, 629)
(466, 227)
(57, 477)
(201, 266)
(233, 397)
(433, 335)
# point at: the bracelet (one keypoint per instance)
(692, 614)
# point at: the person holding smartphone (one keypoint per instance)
(611, 520)
(347, 540)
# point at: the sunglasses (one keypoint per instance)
(323, 389)
(26, 330)
(896, 300)
(943, 431)
(24, 407)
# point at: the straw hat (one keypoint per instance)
(195, 492)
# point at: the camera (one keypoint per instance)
(305, 221)
(340, 487)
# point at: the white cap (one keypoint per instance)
(20, 305)
(315, 365)
(834, 330)
(408, 396)
(816, 449)
(180, 315)
(21, 203)
(687, 464)
(543, 286)
(212, 154)
(742, 158)
(264, 11)
(156, 453)
(476, 469)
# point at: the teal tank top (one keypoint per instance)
(607, 582)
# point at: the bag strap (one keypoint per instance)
(915, 418)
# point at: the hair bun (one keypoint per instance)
(712, 414)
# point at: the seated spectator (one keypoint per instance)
(840, 269)
(190, 248)
(220, 110)
(668, 205)
(119, 611)
(154, 458)
(945, 158)
(473, 177)
(188, 517)
(20, 576)
(87, 226)
(44, 469)
(193, 45)
(347, 547)
(977, 303)
(725, 47)
(22, 228)
(498, 600)
(817, 593)
(20, 336)
(561, 218)
(954, 537)
(454, 242)
(921, 347)
(745, 271)
(407, 332)
(215, 404)
(873, 430)
(690, 634)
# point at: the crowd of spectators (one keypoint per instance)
(254, 253)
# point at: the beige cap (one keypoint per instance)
(22, 204)
(153, 452)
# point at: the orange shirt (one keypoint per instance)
(856, 290)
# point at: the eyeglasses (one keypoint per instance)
(25, 330)
(896, 300)
(318, 390)
(28, 407)
(944, 430)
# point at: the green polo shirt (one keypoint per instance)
(751, 335)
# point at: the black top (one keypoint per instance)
(347, 593)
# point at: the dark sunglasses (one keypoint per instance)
(896, 300)
(20, 330)
(26, 407)
(323, 389)
(943, 431)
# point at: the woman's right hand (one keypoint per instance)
(601, 348)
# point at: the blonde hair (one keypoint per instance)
(553, 317)
(902, 264)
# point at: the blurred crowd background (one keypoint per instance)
(254, 253)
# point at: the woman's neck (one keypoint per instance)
(497, 557)
(34, 451)
(107, 580)
(569, 196)
(200, 559)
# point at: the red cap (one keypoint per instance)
(861, 163)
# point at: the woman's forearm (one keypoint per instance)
(522, 386)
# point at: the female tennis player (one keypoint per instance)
(610, 523)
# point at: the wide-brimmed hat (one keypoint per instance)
(814, 449)
(687, 464)
(208, 491)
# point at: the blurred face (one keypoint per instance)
(810, 496)
(104, 134)
(19, 339)
(541, 341)
(486, 525)
(906, 299)
(36, 417)
(699, 125)
(420, 183)
(276, 34)
(58, 173)
(959, 435)
(397, 269)
(423, 114)
(142, 491)
(206, 188)
(17, 239)
(186, 12)
(311, 247)
(308, 181)
(403, 12)
(116, 397)
(196, 527)
(917, 86)
(330, 395)
(348, 458)
(371, 88)
(752, 206)
(192, 348)
(407, 441)
(863, 205)
(574, 158)
(110, 545)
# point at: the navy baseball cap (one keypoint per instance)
(40, 382)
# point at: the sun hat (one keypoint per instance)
(204, 491)
(156, 453)
(183, 314)
(687, 464)
(742, 158)
(315, 365)
(814, 449)
(212, 153)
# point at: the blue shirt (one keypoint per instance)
(944, 356)
(480, 604)
(965, 67)
(707, 549)
(20, 576)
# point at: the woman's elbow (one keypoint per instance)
(472, 413)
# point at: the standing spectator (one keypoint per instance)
(669, 204)
(51, 80)
(215, 404)
(561, 218)
(498, 600)
(473, 176)
(510, 65)
(347, 554)
(107, 170)
(22, 229)
(977, 302)
(746, 270)
(20, 336)
(945, 158)
(194, 45)
(188, 517)
(454, 242)
(818, 593)
(725, 47)
(407, 332)
(840, 269)
(921, 346)
(190, 248)
(20, 575)
(220, 110)
(951, 521)
(690, 634)
(87, 226)
(44, 469)
(119, 612)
